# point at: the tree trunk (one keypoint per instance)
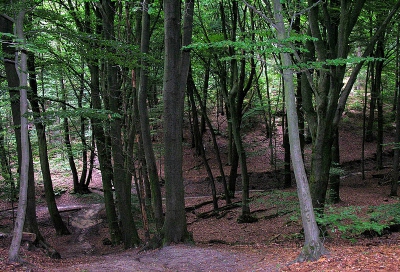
(380, 53)
(144, 122)
(67, 139)
(199, 139)
(6, 172)
(216, 148)
(24, 143)
(396, 156)
(313, 247)
(334, 179)
(286, 145)
(122, 184)
(176, 68)
(55, 216)
(104, 160)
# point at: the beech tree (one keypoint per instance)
(24, 166)
(313, 247)
(144, 120)
(324, 102)
(176, 68)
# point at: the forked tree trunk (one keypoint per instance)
(104, 160)
(199, 140)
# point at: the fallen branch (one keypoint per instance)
(216, 212)
(197, 206)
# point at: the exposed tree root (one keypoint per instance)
(312, 252)
(50, 251)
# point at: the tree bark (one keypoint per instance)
(55, 216)
(144, 121)
(122, 184)
(21, 65)
(175, 74)
(313, 247)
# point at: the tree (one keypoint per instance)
(144, 120)
(176, 67)
(88, 26)
(59, 225)
(235, 86)
(122, 178)
(313, 247)
(24, 166)
(324, 102)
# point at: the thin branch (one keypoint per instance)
(271, 22)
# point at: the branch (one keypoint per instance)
(368, 50)
(7, 17)
(271, 22)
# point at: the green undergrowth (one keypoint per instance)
(350, 222)
(354, 221)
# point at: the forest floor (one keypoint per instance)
(220, 242)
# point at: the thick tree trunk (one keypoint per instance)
(321, 160)
(176, 68)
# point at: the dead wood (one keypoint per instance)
(211, 213)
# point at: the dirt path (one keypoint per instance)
(176, 258)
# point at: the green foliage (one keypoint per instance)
(353, 221)
(336, 170)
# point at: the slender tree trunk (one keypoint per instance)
(364, 122)
(286, 145)
(6, 172)
(378, 85)
(144, 122)
(216, 148)
(395, 176)
(396, 156)
(55, 216)
(67, 138)
(21, 65)
(104, 160)
(196, 131)
(122, 184)
(334, 179)
(313, 247)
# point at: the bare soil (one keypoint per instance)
(220, 242)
